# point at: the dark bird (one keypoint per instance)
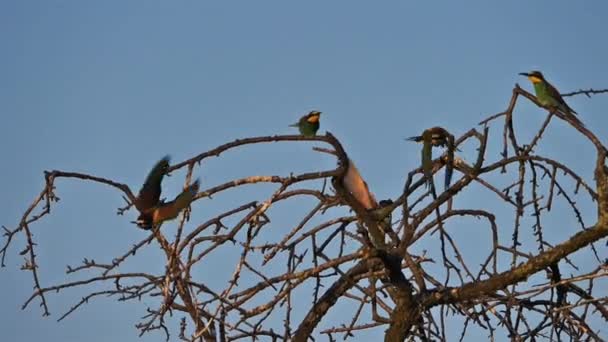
(149, 194)
(435, 137)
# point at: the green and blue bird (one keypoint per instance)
(166, 211)
(548, 96)
(435, 137)
(308, 124)
(149, 194)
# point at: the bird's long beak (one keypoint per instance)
(524, 74)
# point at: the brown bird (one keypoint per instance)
(165, 211)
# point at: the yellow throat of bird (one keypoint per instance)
(313, 118)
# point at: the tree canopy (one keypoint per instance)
(352, 263)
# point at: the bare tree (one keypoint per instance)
(362, 258)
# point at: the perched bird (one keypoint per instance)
(149, 194)
(438, 137)
(384, 206)
(308, 124)
(548, 95)
(382, 213)
(166, 211)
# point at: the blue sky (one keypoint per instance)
(108, 87)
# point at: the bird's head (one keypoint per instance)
(144, 221)
(313, 117)
(428, 134)
(385, 203)
(534, 76)
(383, 210)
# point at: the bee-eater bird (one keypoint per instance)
(435, 136)
(388, 219)
(308, 124)
(166, 211)
(149, 194)
(548, 95)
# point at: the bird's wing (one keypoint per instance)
(149, 194)
(554, 93)
(170, 210)
(427, 161)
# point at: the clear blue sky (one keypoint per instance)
(108, 87)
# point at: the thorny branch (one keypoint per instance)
(282, 285)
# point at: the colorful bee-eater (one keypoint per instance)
(308, 124)
(166, 211)
(435, 136)
(548, 95)
(149, 194)
(388, 218)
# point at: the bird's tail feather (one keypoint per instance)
(569, 113)
(449, 167)
(427, 162)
